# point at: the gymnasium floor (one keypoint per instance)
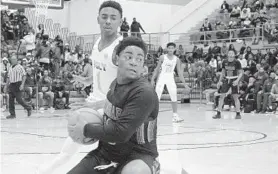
(200, 145)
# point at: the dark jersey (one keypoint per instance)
(231, 67)
(130, 121)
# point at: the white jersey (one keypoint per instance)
(104, 71)
(168, 66)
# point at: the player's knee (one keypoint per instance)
(136, 167)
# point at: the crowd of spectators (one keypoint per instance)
(49, 63)
(247, 19)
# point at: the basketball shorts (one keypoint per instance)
(227, 85)
(95, 158)
(171, 87)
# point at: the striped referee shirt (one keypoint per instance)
(16, 73)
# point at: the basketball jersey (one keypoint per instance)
(104, 71)
(168, 66)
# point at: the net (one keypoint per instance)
(41, 7)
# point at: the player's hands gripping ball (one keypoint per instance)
(77, 121)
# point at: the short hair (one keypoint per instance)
(112, 4)
(131, 41)
(233, 51)
(171, 44)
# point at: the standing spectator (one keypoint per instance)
(88, 74)
(40, 31)
(15, 83)
(135, 28)
(57, 49)
(124, 28)
(24, 28)
(43, 54)
(263, 96)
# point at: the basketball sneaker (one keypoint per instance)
(177, 118)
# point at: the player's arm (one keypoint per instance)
(180, 73)
(222, 75)
(137, 109)
(93, 105)
(156, 71)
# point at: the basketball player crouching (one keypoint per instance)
(229, 80)
(128, 135)
(167, 64)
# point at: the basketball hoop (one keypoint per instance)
(41, 7)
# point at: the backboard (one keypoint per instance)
(54, 4)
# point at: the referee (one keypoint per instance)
(15, 83)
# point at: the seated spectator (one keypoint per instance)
(242, 61)
(180, 51)
(45, 92)
(263, 95)
(216, 50)
(242, 93)
(224, 50)
(30, 85)
(246, 74)
(224, 7)
(60, 92)
(274, 96)
(69, 67)
(200, 74)
(29, 41)
(232, 47)
(249, 96)
(261, 77)
(222, 33)
(213, 63)
(247, 53)
(245, 14)
(235, 13)
(206, 27)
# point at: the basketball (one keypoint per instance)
(89, 116)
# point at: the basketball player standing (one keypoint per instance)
(104, 71)
(167, 64)
(229, 80)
